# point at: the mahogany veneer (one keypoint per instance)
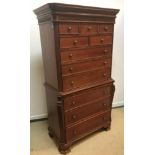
(77, 46)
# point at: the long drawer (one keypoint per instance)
(85, 96)
(81, 129)
(85, 78)
(85, 66)
(88, 109)
(75, 55)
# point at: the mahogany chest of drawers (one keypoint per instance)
(77, 43)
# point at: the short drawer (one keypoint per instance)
(85, 66)
(86, 127)
(68, 28)
(86, 96)
(88, 29)
(86, 78)
(101, 40)
(91, 108)
(68, 56)
(73, 42)
(105, 28)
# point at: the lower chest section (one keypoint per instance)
(87, 111)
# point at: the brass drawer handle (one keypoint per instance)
(104, 104)
(104, 118)
(72, 83)
(104, 75)
(105, 62)
(75, 42)
(74, 132)
(105, 51)
(105, 28)
(69, 28)
(89, 28)
(71, 69)
(70, 55)
(73, 103)
(102, 39)
(74, 117)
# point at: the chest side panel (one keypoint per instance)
(48, 53)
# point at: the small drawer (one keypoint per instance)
(86, 96)
(92, 124)
(93, 107)
(101, 40)
(69, 56)
(83, 79)
(88, 29)
(68, 28)
(73, 42)
(85, 66)
(105, 28)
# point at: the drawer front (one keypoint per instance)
(77, 114)
(86, 78)
(68, 28)
(81, 129)
(100, 40)
(88, 28)
(69, 56)
(73, 42)
(85, 66)
(86, 96)
(105, 28)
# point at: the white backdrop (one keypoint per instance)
(37, 92)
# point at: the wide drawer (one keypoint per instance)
(85, 66)
(86, 96)
(85, 78)
(68, 28)
(72, 42)
(69, 56)
(88, 109)
(88, 29)
(101, 40)
(81, 129)
(105, 28)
